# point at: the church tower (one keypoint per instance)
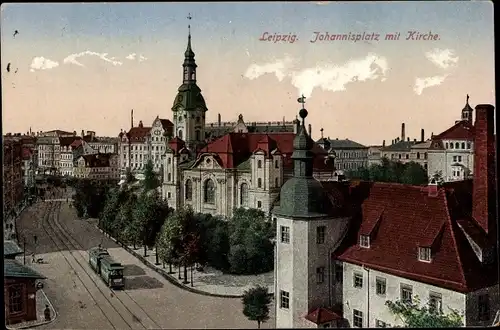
(189, 106)
(307, 232)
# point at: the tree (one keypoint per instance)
(150, 179)
(256, 304)
(414, 174)
(438, 177)
(416, 316)
(129, 177)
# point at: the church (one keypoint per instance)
(243, 167)
(343, 249)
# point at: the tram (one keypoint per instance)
(109, 270)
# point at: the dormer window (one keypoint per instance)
(364, 241)
(424, 254)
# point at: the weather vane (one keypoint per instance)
(302, 100)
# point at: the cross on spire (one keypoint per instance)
(189, 17)
(302, 100)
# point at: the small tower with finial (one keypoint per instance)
(467, 111)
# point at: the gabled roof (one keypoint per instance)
(422, 145)
(235, 148)
(401, 218)
(13, 268)
(462, 130)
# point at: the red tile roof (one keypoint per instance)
(138, 134)
(76, 143)
(400, 218)
(176, 144)
(322, 315)
(462, 130)
(235, 148)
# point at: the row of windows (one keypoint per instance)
(351, 154)
(458, 145)
(285, 234)
(350, 166)
(276, 164)
(143, 148)
(457, 159)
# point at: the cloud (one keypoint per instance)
(135, 56)
(72, 59)
(131, 56)
(42, 63)
(328, 77)
(423, 83)
(443, 58)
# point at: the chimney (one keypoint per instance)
(310, 130)
(131, 118)
(392, 142)
(140, 124)
(432, 188)
(483, 195)
(383, 143)
(414, 140)
(408, 139)
(422, 135)
(219, 119)
(321, 130)
(74, 133)
(402, 131)
(296, 126)
(83, 133)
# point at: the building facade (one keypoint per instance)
(349, 155)
(451, 154)
(405, 150)
(141, 143)
(13, 184)
(346, 248)
(97, 167)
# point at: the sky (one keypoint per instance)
(85, 66)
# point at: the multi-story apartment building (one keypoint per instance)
(346, 248)
(97, 167)
(13, 185)
(375, 154)
(141, 143)
(49, 150)
(349, 155)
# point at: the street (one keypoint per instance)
(83, 301)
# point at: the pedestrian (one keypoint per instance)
(46, 313)
(33, 260)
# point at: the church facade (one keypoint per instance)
(245, 166)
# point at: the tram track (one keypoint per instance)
(70, 248)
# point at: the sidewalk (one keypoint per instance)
(210, 281)
(41, 301)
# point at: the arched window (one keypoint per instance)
(244, 194)
(468, 145)
(209, 192)
(463, 145)
(451, 145)
(457, 145)
(259, 163)
(276, 164)
(189, 190)
(418, 155)
(180, 134)
(259, 183)
(276, 182)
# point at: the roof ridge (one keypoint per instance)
(442, 193)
